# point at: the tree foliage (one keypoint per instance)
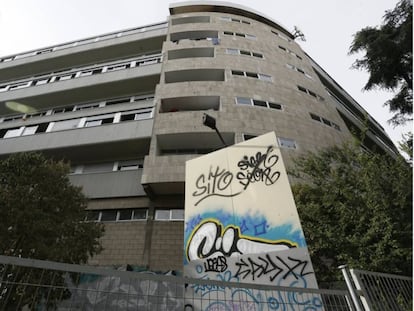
(406, 146)
(42, 217)
(355, 209)
(388, 58)
(42, 214)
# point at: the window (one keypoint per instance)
(302, 89)
(29, 130)
(252, 75)
(275, 106)
(64, 77)
(237, 73)
(141, 114)
(236, 20)
(169, 214)
(225, 18)
(259, 76)
(63, 109)
(243, 101)
(315, 117)
(177, 214)
(259, 103)
(290, 52)
(139, 214)
(109, 215)
(125, 214)
(281, 36)
(129, 165)
(65, 125)
(238, 34)
(118, 67)
(12, 133)
(287, 143)
(298, 70)
(232, 51)
(265, 77)
(86, 106)
(20, 85)
(325, 121)
(117, 215)
(309, 92)
(258, 55)
(162, 215)
(89, 72)
(256, 102)
(248, 136)
(99, 120)
(41, 81)
(132, 214)
(93, 123)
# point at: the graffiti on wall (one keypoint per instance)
(241, 222)
(282, 268)
(251, 169)
(209, 239)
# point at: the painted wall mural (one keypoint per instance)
(241, 222)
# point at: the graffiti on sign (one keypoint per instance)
(241, 224)
(210, 240)
(251, 169)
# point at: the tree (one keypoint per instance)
(42, 216)
(406, 146)
(355, 209)
(388, 58)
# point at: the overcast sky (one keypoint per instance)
(328, 26)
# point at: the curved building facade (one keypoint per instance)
(126, 110)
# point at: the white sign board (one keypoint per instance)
(241, 222)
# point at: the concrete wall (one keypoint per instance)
(293, 121)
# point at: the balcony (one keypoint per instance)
(106, 140)
(110, 184)
(137, 75)
(119, 44)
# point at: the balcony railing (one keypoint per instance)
(75, 73)
(66, 45)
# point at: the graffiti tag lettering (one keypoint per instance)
(266, 266)
(258, 168)
(218, 264)
(209, 241)
(216, 181)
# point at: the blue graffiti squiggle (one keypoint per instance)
(251, 299)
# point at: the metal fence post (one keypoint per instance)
(351, 288)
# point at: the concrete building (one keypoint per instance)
(126, 110)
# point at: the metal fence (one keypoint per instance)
(380, 291)
(27, 284)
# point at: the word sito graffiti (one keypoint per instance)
(258, 168)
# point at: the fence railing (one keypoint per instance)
(27, 284)
(381, 291)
